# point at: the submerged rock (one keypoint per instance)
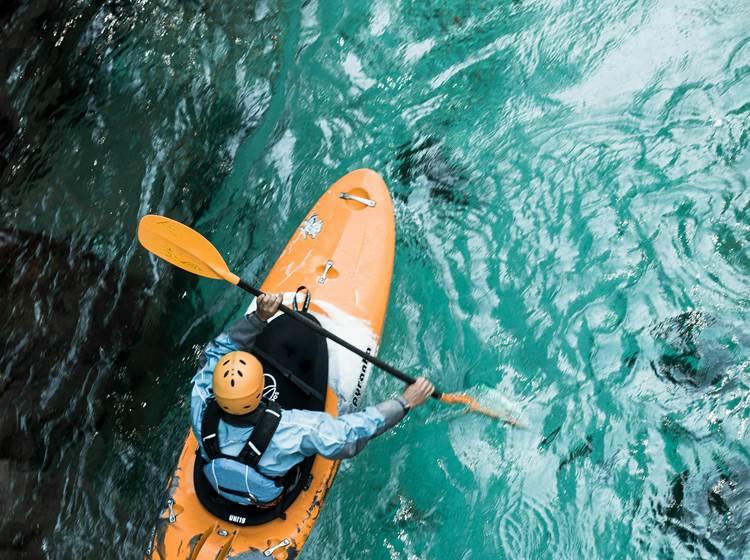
(40, 39)
(696, 349)
(426, 160)
(709, 513)
(69, 317)
(583, 450)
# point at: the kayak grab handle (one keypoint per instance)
(269, 551)
(170, 505)
(362, 200)
(324, 276)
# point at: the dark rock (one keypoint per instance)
(683, 350)
(426, 160)
(709, 513)
(69, 317)
(583, 450)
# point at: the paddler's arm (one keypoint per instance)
(245, 330)
(240, 336)
(344, 436)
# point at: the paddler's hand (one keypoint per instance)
(418, 392)
(268, 305)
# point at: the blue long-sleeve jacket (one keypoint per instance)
(300, 434)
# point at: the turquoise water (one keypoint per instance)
(570, 184)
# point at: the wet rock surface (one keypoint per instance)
(70, 320)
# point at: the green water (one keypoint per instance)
(570, 185)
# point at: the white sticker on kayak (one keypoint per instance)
(269, 387)
(311, 226)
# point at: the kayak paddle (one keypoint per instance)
(187, 249)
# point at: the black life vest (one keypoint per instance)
(265, 419)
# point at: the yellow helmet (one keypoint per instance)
(238, 382)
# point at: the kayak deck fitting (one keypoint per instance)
(342, 252)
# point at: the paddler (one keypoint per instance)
(247, 443)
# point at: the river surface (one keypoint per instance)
(570, 180)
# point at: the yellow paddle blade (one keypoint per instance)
(184, 247)
(474, 406)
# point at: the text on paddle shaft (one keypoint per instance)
(361, 380)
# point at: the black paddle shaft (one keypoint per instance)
(408, 379)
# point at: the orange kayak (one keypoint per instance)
(342, 252)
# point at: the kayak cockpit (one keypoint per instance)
(295, 364)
